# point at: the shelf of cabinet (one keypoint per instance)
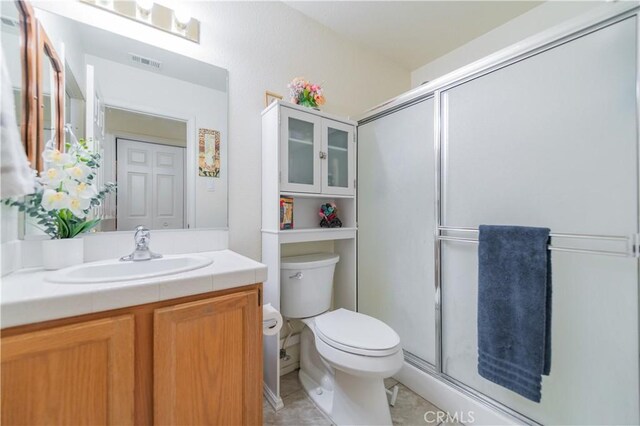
(313, 195)
(338, 148)
(302, 141)
(313, 234)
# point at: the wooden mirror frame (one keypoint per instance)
(28, 55)
(47, 54)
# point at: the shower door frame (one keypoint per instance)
(440, 142)
(436, 90)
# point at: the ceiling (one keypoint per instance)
(412, 33)
(117, 48)
(171, 132)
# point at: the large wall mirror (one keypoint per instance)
(158, 119)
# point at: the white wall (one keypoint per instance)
(538, 19)
(263, 45)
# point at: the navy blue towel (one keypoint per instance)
(514, 307)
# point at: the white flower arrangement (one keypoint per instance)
(66, 192)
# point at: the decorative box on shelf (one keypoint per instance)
(286, 213)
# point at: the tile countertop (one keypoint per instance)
(27, 298)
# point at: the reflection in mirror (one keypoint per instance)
(48, 99)
(149, 149)
(50, 96)
(142, 109)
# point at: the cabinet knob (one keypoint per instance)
(323, 155)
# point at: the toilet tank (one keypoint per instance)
(306, 284)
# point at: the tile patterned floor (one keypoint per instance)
(298, 409)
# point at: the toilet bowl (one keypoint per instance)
(344, 355)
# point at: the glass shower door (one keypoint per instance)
(395, 226)
(557, 149)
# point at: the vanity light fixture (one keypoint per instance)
(176, 21)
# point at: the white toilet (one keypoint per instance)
(344, 355)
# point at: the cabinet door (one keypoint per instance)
(208, 362)
(80, 374)
(300, 143)
(338, 159)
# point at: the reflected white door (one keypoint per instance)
(150, 182)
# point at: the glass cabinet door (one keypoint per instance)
(337, 158)
(300, 151)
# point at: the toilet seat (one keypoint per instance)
(356, 333)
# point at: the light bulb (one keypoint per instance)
(183, 17)
(143, 9)
(108, 4)
(145, 5)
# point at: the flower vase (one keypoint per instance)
(61, 253)
(309, 104)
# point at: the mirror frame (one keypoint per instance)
(28, 54)
(48, 54)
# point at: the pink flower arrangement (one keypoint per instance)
(304, 93)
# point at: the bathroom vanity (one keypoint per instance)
(171, 340)
(191, 355)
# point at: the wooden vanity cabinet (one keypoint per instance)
(196, 360)
(75, 374)
(210, 344)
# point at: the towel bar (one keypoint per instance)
(631, 251)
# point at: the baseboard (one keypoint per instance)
(275, 401)
(451, 400)
(289, 368)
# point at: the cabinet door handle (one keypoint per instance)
(323, 155)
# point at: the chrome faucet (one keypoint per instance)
(141, 252)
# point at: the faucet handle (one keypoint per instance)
(142, 235)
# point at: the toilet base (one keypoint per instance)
(352, 401)
(347, 395)
(322, 397)
(359, 401)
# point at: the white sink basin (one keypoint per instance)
(116, 270)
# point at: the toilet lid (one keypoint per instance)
(356, 333)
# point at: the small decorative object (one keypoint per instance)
(306, 94)
(270, 97)
(62, 201)
(209, 153)
(329, 214)
(286, 213)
